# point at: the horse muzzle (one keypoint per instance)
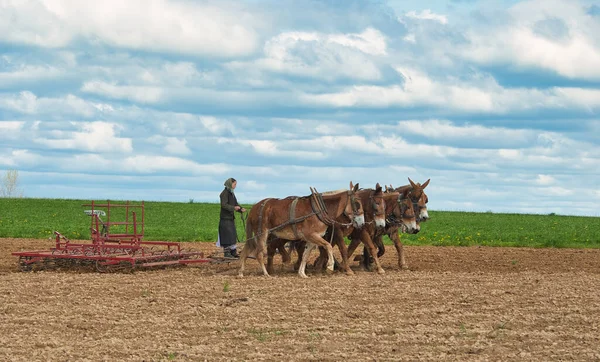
(359, 221)
(380, 223)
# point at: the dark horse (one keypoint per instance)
(398, 208)
(419, 200)
(298, 218)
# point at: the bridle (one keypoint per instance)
(392, 219)
(355, 206)
(416, 205)
(372, 198)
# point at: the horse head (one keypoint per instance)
(405, 213)
(419, 199)
(377, 204)
(354, 208)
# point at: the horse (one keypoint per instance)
(400, 210)
(306, 218)
(374, 210)
(419, 199)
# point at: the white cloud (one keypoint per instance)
(141, 94)
(371, 41)
(26, 73)
(253, 185)
(19, 158)
(221, 29)
(172, 145)
(545, 180)
(277, 149)
(477, 94)
(428, 15)
(410, 38)
(571, 49)
(446, 130)
(555, 191)
(216, 126)
(323, 56)
(10, 126)
(27, 102)
(93, 137)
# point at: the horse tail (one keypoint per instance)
(250, 236)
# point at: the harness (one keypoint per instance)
(391, 219)
(318, 208)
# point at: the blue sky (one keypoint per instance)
(497, 102)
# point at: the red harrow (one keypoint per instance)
(116, 246)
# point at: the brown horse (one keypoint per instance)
(398, 208)
(306, 218)
(374, 210)
(419, 199)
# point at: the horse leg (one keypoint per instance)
(319, 241)
(304, 258)
(399, 248)
(366, 239)
(300, 246)
(260, 251)
(285, 256)
(244, 255)
(249, 247)
(271, 247)
(339, 241)
(321, 260)
(354, 242)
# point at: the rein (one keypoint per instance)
(244, 217)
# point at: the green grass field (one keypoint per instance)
(171, 221)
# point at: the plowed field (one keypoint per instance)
(464, 304)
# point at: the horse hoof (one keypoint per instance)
(381, 271)
(349, 272)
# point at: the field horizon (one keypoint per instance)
(198, 221)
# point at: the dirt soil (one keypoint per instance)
(463, 303)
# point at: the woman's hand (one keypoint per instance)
(236, 208)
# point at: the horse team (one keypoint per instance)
(324, 220)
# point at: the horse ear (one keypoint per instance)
(425, 184)
(356, 187)
(378, 187)
(351, 186)
(412, 183)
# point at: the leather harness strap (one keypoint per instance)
(260, 215)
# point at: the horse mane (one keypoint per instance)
(330, 193)
(401, 189)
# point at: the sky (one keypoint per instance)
(497, 102)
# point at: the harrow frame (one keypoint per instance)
(111, 252)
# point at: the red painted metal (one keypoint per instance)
(111, 251)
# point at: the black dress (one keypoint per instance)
(227, 231)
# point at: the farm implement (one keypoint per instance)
(116, 246)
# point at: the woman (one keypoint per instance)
(227, 231)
